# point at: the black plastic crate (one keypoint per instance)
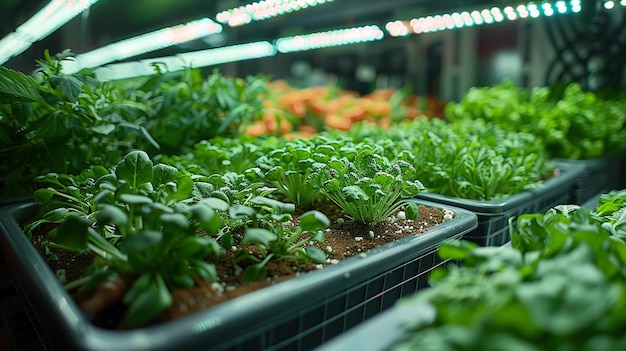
(493, 216)
(598, 175)
(298, 314)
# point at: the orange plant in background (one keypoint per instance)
(293, 112)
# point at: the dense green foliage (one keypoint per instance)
(470, 159)
(561, 286)
(53, 122)
(89, 147)
(143, 221)
(369, 186)
(570, 122)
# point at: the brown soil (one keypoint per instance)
(343, 240)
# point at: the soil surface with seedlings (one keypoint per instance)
(345, 238)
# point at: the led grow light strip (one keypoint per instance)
(194, 59)
(44, 22)
(330, 38)
(142, 44)
(258, 11)
(610, 4)
(454, 20)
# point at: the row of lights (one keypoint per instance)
(143, 43)
(258, 11)
(240, 52)
(58, 12)
(55, 14)
(454, 20)
(329, 38)
(194, 59)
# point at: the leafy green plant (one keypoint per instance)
(152, 227)
(563, 292)
(189, 108)
(568, 121)
(139, 224)
(470, 159)
(368, 188)
(222, 155)
(288, 169)
(611, 212)
(52, 122)
(275, 238)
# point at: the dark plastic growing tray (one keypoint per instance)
(384, 331)
(298, 314)
(599, 175)
(493, 216)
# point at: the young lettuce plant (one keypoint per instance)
(288, 169)
(611, 212)
(476, 160)
(143, 235)
(220, 155)
(274, 236)
(368, 188)
(236, 190)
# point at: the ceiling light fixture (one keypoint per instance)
(261, 10)
(330, 38)
(142, 44)
(193, 59)
(44, 22)
(435, 23)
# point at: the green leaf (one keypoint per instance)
(73, 232)
(367, 162)
(110, 214)
(133, 199)
(135, 168)
(146, 134)
(43, 196)
(255, 272)
(384, 179)
(195, 245)
(21, 111)
(412, 211)
(152, 300)
(354, 193)
(104, 129)
(56, 215)
(215, 203)
(456, 249)
(184, 188)
(16, 85)
(238, 211)
(313, 221)
(53, 128)
(176, 219)
(205, 269)
(278, 206)
(162, 174)
(258, 236)
(142, 241)
(316, 254)
(206, 216)
(70, 86)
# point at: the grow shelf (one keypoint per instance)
(493, 216)
(301, 313)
